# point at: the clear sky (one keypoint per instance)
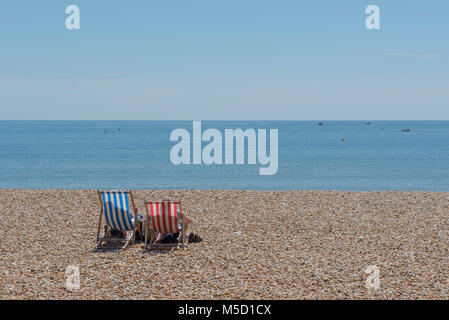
(224, 60)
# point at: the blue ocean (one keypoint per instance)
(335, 155)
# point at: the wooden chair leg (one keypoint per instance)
(99, 227)
(146, 237)
(129, 240)
(183, 233)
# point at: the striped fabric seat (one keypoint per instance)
(164, 216)
(116, 210)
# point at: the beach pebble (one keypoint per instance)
(257, 245)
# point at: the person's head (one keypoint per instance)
(165, 198)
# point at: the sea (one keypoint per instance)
(312, 155)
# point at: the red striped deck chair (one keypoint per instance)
(116, 213)
(162, 217)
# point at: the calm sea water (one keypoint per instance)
(95, 154)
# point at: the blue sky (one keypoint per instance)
(242, 60)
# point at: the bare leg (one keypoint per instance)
(187, 222)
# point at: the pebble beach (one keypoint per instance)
(257, 245)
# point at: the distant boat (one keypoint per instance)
(320, 123)
(406, 130)
(368, 123)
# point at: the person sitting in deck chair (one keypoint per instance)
(167, 225)
(172, 237)
(119, 218)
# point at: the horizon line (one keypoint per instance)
(246, 120)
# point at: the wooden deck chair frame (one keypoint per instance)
(111, 239)
(150, 236)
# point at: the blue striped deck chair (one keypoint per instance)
(117, 215)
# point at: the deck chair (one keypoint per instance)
(162, 217)
(115, 210)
